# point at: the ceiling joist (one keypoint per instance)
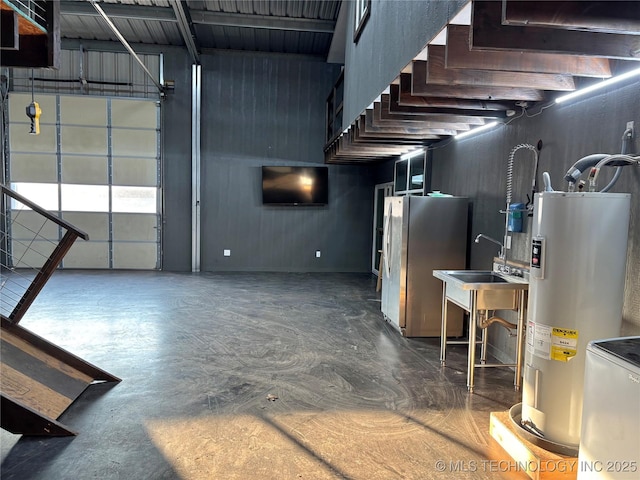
(459, 105)
(357, 135)
(420, 116)
(460, 56)
(412, 124)
(488, 33)
(419, 87)
(437, 74)
(202, 17)
(187, 31)
(268, 22)
(397, 105)
(608, 17)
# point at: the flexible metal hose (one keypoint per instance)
(619, 158)
(512, 155)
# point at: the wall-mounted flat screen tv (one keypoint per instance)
(295, 185)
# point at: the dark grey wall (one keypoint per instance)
(396, 31)
(176, 164)
(476, 167)
(270, 110)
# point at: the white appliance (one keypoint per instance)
(576, 287)
(420, 235)
(610, 435)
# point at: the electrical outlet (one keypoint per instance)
(226, 253)
(317, 253)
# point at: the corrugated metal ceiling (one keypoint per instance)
(284, 26)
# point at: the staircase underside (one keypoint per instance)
(39, 381)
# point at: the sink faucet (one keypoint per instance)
(502, 254)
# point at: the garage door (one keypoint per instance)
(97, 163)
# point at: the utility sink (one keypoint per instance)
(491, 290)
(476, 291)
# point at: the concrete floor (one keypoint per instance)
(200, 357)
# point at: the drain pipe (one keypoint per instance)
(484, 322)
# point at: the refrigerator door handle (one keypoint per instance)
(386, 243)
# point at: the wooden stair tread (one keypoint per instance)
(37, 379)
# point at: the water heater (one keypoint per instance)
(576, 287)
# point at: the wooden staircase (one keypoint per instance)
(38, 380)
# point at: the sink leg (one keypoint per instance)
(483, 348)
(443, 330)
(471, 361)
(522, 314)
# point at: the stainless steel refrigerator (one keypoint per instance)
(422, 234)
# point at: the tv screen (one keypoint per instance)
(295, 185)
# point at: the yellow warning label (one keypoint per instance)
(564, 343)
(565, 332)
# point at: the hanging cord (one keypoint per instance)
(32, 96)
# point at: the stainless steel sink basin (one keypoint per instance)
(481, 280)
(478, 277)
(492, 290)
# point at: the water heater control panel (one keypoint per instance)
(538, 248)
